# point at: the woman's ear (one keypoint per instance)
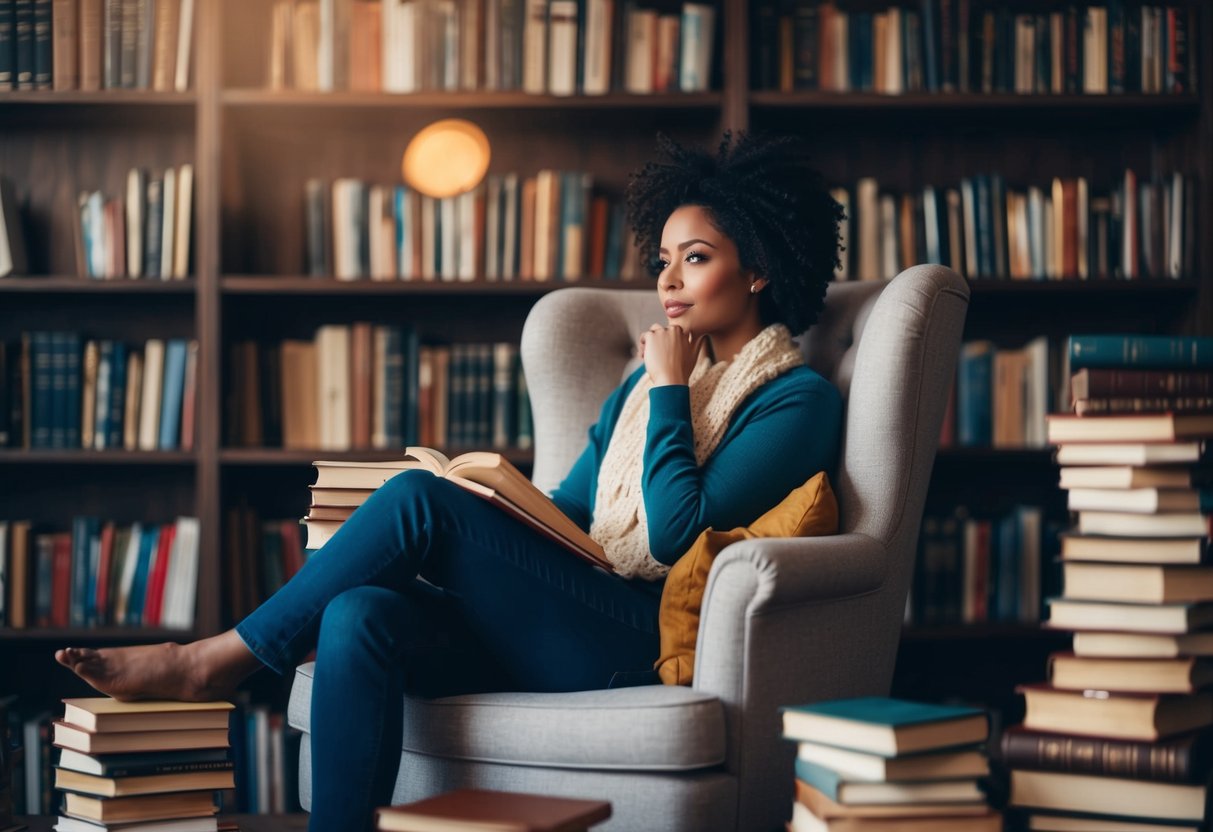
(757, 284)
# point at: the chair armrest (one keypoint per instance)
(804, 587)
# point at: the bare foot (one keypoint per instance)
(201, 671)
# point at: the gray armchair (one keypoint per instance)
(784, 621)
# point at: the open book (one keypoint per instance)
(485, 474)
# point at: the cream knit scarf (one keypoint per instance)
(620, 524)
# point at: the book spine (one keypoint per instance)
(8, 13)
(119, 770)
(23, 32)
(72, 350)
(1145, 383)
(1153, 351)
(1163, 762)
(43, 55)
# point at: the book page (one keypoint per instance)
(432, 460)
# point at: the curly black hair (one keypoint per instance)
(762, 194)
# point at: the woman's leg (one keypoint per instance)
(384, 543)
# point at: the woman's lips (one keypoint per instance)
(673, 310)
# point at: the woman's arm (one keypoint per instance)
(779, 445)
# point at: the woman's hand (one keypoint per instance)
(670, 353)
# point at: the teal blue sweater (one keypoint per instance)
(784, 433)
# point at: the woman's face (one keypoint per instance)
(701, 282)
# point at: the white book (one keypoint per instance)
(185, 43)
(1175, 225)
(448, 14)
(534, 48)
(153, 385)
(379, 374)
(182, 579)
(126, 580)
(382, 227)
(598, 30)
(449, 209)
(333, 361)
(698, 22)
(184, 216)
(168, 224)
(467, 232)
(261, 747)
(136, 202)
(842, 60)
(400, 22)
(1036, 210)
(101, 404)
(546, 188)
(509, 248)
(69, 824)
(346, 229)
(1095, 55)
(1083, 214)
(1132, 524)
(492, 227)
(562, 47)
(930, 210)
(492, 45)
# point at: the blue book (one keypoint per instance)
(1140, 351)
(92, 555)
(404, 237)
(41, 408)
(984, 233)
(101, 407)
(82, 581)
(393, 387)
(170, 400)
(149, 541)
(117, 410)
(59, 349)
(73, 389)
(930, 44)
(884, 726)
(855, 792)
(411, 345)
(1005, 602)
(974, 391)
(8, 12)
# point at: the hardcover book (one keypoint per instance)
(889, 727)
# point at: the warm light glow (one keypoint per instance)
(446, 159)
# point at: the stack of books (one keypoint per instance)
(872, 764)
(1121, 732)
(142, 765)
(478, 810)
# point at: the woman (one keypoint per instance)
(721, 422)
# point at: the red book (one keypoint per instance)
(188, 396)
(474, 809)
(61, 580)
(153, 602)
(102, 597)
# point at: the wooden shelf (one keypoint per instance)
(463, 100)
(124, 98)
(65, 285)
(300, 285)
(284, 457)
(1073, 105)
(83, 457)
(76, 635)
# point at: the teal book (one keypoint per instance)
(1140, 351)
(884, 726)
(171, 399)
(852, 792)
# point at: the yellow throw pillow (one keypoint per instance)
(809, 511)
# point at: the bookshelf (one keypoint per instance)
(253, 149)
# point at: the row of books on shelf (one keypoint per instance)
(550, 226)
(366, 385)
(59, 390)
(260, 555)
(978, 570)
(98, 573)
(1001, 395)
(557, 47)
(116, 763)
(1120, 732)
(984, 228)
(875, 764)
(96, 44)
(948, 46)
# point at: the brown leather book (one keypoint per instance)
(526, 265)
(487, 811)
(361, 347)
(1184, 759)
(599, 211)
(164, 50)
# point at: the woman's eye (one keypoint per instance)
(695, 254)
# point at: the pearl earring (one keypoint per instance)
(753, 288)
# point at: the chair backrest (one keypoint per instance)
(578, 343)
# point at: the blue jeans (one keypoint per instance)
(504, 609)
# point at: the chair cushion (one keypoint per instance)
(810, 510)
(649, 728)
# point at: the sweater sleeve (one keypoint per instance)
(777, 447)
